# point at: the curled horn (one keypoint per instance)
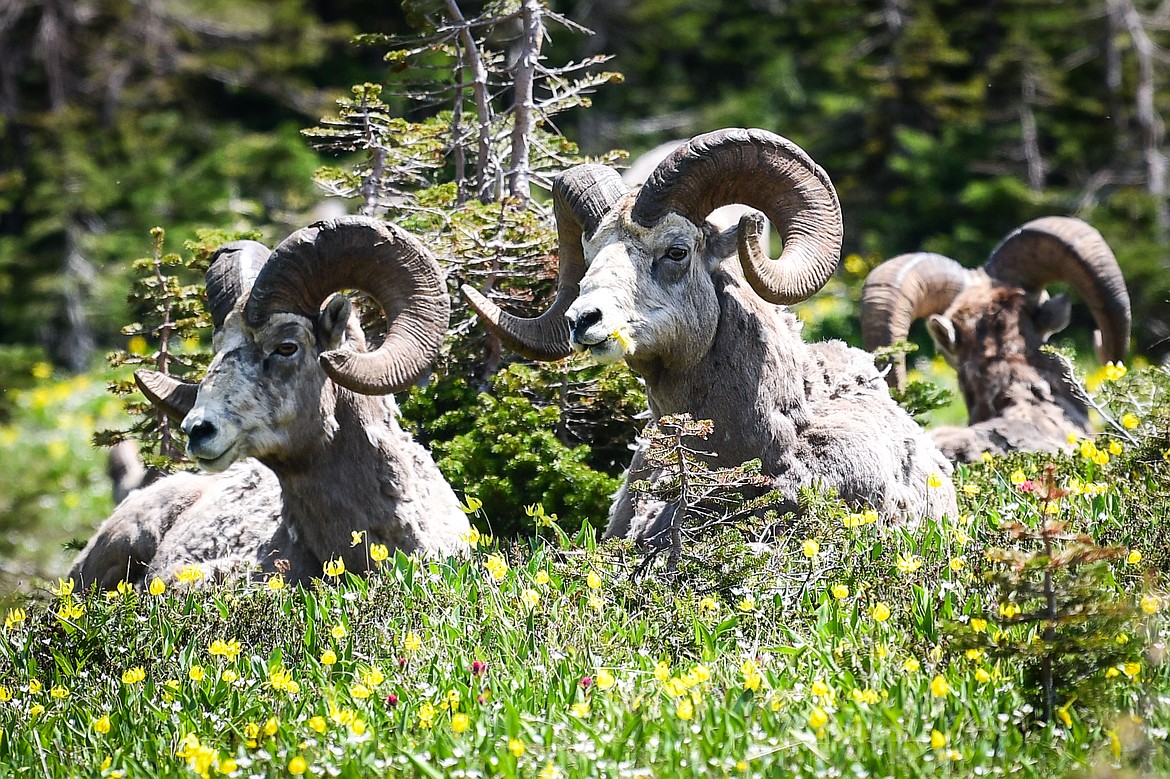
(233, 270)
(767, 172)
(1062, 248)
(582, 195)
(174, 396)
(901, 290)
(389, 264)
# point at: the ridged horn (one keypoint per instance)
(582, 195)
(1062, 248)
(767, 172)
(385, 261)
(175, 397)
(233, 270)
(901, 290)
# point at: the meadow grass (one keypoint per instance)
(545, 658)
(837, 647)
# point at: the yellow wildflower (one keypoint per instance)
(334, 568)
(460, 723)
(747, 605)
(1062, 713)
(157, 586)
(338, 632)
(1129, 421)
(516, 747)
(880, 612)
(379, 552)
(541, 578)
(1018, 477)
(1115, 371)
(1009, 610)
(1150, 604)
(593, 580)
(59, 692)
(662, 670)
(580, 709)
(937, 739)
(318, 724)
(195, 673)
(685, 709)
(1115, 448)
(102, 724)
(133, 675)
(939, 687)
(1131, 669)
(605, 679)
(13, 618)
(908, 563)
(229, 649)
(1134, 557)
(934, 481)
(188, 574)
(840, 590)
(971, 489)
(530, 598)
(412, 643)
(297, 766)
(496, 566)
(356, 537)
(819, 688)
(471, 504)
(549, 771)
(957, 563)
(271, 725)
(911, 665)
(982, 676)
(810, 548)
(979, 625)
(817, 718)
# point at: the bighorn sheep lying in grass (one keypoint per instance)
(292, 385)
(989, 323)
(643, 276)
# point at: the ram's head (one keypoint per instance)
(284, 343)
(985, 320)
(637, 269)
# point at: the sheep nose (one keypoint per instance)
(581, 321)
(199, 432)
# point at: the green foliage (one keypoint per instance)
(510, 452)
(54, 481)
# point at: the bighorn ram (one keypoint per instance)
(643, 276)
(293, 386)
(989, 323)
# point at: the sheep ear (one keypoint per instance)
(333, 321)
(724, 244)
(942, 331)
(1053, 315)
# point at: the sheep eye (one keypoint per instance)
(287, 349)
(676, 253)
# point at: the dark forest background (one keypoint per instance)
(944, 124)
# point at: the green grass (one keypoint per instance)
(547, 657)
(759, 670)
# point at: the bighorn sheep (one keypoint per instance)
(292, 385)
(989, 323)
(644, 277)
